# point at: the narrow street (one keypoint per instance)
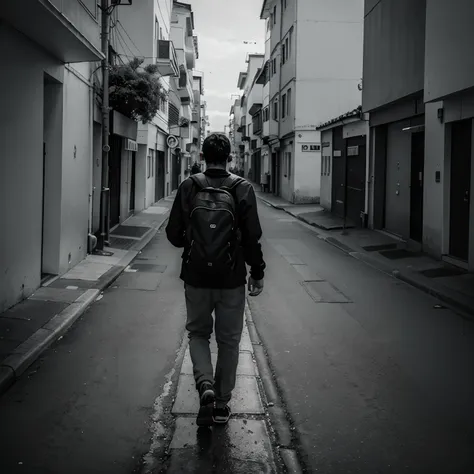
(375, 377)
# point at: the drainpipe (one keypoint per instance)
(104, 196)
(279, 89)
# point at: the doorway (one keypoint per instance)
(356, 159)
(338, 206)
(132, 183)
(460, 184)
(416, 186)
(160, 175)
(115, 176)
(44, 274)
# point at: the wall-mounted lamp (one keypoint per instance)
(441, 114)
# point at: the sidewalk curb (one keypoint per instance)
(24, 355)
(408, 279)
(275, 408)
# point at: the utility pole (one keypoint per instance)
(104, 194)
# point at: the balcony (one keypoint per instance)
(167, 59)
(65, 29)
(185, 88)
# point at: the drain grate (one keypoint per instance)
(130, 231)
(398, 254)
(148, 268)
(378, 248)
(122, 244)
(324, 292)
(441, 272)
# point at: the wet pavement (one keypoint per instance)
(368, 373)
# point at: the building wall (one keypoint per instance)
(59, 113)
(394, 48)
(326, 171)
(84, 15)
(449, 62)
(287, 124)
(307, 173)
(328, 77)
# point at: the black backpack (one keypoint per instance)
(212, 233)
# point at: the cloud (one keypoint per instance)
(217, 113)
(221, 94)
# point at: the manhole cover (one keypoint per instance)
(324, 292)
(378, 248)
(399, 253)
(148, 267)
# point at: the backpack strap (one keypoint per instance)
(200, 180)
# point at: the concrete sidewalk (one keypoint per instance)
(31, 326)
(246, 444)
(387, 254)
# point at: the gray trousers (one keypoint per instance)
(228, 306)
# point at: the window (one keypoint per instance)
(285, 3)
(148, 165)
(283, 106)
(266, 114)
(275, 110)
(275, 15)
(288, 164)
(288, 102)
(290, 41)
(287, 49)
(283, 53)
(274, 66)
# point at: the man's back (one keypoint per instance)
(248, 225)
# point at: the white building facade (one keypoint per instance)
(45, 180)
(309, 85)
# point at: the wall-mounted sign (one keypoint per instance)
(172, 141)
(337, 153)
(352, 150)
(325, 144)
(310, 147)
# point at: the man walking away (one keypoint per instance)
(195, 169)
(214, 218)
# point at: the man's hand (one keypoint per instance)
(255, 287)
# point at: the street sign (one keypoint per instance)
(310, 147)
(172, 141)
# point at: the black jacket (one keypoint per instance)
(250, 251)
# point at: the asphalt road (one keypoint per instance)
(376, 379)
(86, 406)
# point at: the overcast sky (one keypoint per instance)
(222, 26)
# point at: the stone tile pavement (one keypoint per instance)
(244, 445)
(32, 325)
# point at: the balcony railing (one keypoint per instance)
(166, 58)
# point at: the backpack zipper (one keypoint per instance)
(209, 209)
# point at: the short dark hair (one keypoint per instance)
(216, 148)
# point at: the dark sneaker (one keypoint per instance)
(207, 398)
(206, 394)
(221, 415)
